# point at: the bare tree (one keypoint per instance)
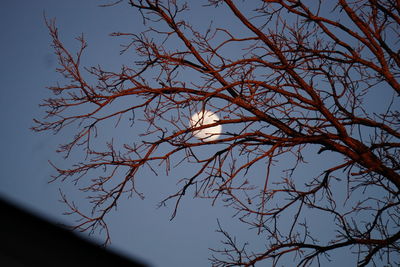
(295, 84)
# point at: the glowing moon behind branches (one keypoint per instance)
(204, 118)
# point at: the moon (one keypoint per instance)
(204, 118)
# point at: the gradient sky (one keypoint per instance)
(27, 66)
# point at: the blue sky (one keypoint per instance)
(27, 66)
(138, 228)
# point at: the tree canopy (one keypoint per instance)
(306, 92)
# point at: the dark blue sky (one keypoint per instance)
(27, 67)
